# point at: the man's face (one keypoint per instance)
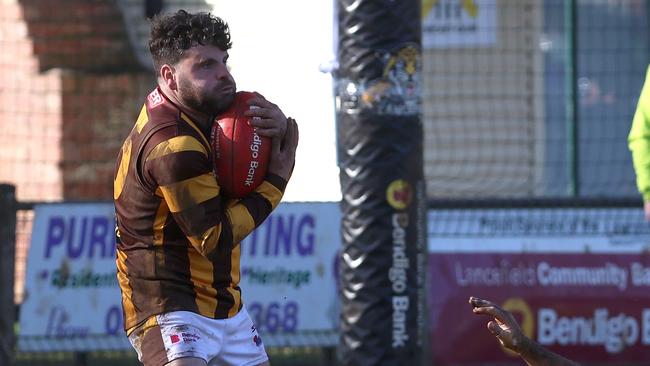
(203, 80)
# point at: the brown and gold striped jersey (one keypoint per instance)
(178, 238)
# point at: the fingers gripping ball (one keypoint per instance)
(241, 156)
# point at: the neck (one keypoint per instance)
(203, 120)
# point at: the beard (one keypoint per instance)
(205, 101)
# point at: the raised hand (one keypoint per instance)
(267, 118)
(283, 151)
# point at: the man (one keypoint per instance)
(178, 239)
(639, 144)
(507, 330)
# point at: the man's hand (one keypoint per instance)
(267, 118)
(504, 326)
(646, 209)
(283, 151)
(507, 330)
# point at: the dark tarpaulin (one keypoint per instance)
(383, 262)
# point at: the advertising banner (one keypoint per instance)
(71, 290)
(72, 299)
(588, 307)
(288, 269)
(459, 23)
(577, 280)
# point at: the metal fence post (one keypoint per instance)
(8, 207)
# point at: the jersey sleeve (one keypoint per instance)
(639, 140)
(180, 170)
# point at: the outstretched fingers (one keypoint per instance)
(488, 308)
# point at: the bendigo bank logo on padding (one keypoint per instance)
(399, 194)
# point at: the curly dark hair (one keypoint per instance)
(172, 34)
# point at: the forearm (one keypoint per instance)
(180, 172)
(536, 355)
(238, 218)
(255, 207)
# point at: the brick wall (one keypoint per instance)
(70, 90)
(98, 112)
(71, 86)
(30, 117)
(78, 34)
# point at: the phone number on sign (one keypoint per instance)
(274, 317)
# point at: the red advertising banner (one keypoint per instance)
(587, 307)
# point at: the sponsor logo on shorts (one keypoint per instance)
(257, 340)
(184, 337)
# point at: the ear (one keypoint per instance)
(167, 73)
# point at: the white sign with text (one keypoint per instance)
(71, 291)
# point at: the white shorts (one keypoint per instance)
(177, 334)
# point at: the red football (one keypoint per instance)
(241, 156)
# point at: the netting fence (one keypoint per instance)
(529, 99)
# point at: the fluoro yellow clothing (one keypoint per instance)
(639, 140)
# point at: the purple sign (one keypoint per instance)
(587, 307)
